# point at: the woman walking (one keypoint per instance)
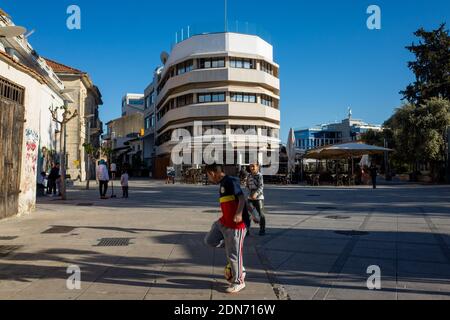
(255, 185)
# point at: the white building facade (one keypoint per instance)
(225, 81)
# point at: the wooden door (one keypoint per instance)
(11, 140)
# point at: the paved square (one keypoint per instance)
(319, 245)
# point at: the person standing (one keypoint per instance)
(124, 182)
(52, 177)
(255, 186)
(230, 230)
(374, 174)
(103, 178)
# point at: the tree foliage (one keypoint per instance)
(431, 67)
(418, 132)
(374, 138)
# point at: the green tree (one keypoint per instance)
(431, 67)
(374, 138)
(417, 133)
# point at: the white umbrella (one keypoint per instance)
(291, 152)
(345, 151)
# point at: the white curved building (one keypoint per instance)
(228, 81)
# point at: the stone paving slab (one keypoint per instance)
(166, 257)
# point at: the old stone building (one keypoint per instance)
(86, 127)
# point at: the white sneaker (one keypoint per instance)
(229, 274)
(221, 244)
(236, 288)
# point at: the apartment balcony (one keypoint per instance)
(249, 76)
(234, 110)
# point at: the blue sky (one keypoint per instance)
(329, 59)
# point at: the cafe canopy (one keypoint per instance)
(345, 151)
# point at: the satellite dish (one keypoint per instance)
(164, 57)
(11, 31)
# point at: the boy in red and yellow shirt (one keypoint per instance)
(231, 228)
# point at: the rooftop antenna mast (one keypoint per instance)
(226, 16)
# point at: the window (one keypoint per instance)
(248, 130)
(136, 102)
(211, 97)
(221, 128)
(150, 122)
(242, 63)
(266, 67)
(149, 100)
(185, 100)
(267, 101)
(11, 91)
(211, 63)
(185, 67)
(243, 97)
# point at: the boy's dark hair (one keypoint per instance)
(214, 168)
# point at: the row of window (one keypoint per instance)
(214, 97)
(211, 63)
(243, 97)
(238, 130)
(211, 97)
(242, 63)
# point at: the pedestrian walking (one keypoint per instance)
(255, 186)
(229, 232)
(374, 174)
(124, 183)
(170, 175)
(103, 178)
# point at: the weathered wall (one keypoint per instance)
(39, 130)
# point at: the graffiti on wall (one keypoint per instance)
(31, 157)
